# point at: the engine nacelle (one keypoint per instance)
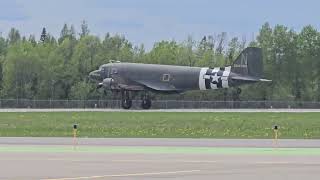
(107, 83)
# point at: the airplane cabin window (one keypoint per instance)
(166, 77)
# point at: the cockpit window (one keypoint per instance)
(106, 70)
(100, 68)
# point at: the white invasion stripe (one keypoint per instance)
(225, 76)
(224, 82)
(226, 71)
(206, 76)
(216, 69)
(202, 84)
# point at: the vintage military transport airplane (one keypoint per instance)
(129, 78)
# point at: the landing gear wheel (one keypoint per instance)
(126, 103)
(238, 91)
(146, 103)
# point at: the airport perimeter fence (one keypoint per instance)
(156, 104)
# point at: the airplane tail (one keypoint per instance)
(249, 66)
(249, 63)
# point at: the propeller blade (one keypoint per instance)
(99, 85)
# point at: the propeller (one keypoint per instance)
(106, 84)
(100, 85)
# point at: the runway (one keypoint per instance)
(163, 142)
(159, 110)
(58, 159)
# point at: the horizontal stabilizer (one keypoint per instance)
(265, 80)
(245, 78)
(249, 78)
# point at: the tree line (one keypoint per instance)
(49, 67)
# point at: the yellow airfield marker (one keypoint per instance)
(275, 136)
(75, 141)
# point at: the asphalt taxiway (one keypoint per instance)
(59, 159)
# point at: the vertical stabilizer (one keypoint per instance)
(249, 63)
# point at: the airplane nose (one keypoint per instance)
(95, 75)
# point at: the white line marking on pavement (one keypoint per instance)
(287, 163)
(126, 175)
(273, 162)
(165, 161)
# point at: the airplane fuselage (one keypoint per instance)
(132, 77)
(167, 78)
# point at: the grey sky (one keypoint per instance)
(148, 21)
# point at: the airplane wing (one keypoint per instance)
(131, 87)
(158, 86)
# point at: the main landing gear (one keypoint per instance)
(239, 91)
(126, 100)
(146, 101)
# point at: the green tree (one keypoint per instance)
(308, 53)
(3, 50)
(84, 29)
(64, 33)
(164, 52)
(139, 54)
(32, 40)
(80, 90)
(187, 56)
(63, 74)
(14, 36)
(22, 72)
(43, 36)
(117, 48)
(234, 49)
(86, 56)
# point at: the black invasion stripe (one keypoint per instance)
(220, 73)
(209, 71)
(208, 81)
(219, 85)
